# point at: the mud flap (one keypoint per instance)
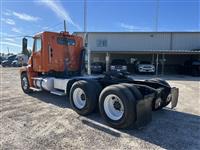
(144, 111)
(174, 93)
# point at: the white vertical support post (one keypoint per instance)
(152, 60)
(86, 39)
(89, 57)
(163, 63)
(107, 61)
(157, 57)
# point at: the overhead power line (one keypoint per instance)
(23, 35)
(50, 27)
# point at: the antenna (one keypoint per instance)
(64, 25)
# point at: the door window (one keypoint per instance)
(38, 44)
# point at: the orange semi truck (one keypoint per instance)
(56, 65)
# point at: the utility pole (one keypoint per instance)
(156, 30)
(157, 14)
(86, 42)
(85, 16)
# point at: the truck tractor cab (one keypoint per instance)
(53, 52)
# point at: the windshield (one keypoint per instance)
(66, 41)
(145, 62)
(118, 62)
(97, 63)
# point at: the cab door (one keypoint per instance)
(37, 55)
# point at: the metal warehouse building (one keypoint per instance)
(167, 50)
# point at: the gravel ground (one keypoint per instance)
(45, 121)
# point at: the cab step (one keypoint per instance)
(56, 92)
(36, 78)
(35, 89)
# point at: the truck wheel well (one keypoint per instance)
(71, 82)
(23, 72)
(69, 85)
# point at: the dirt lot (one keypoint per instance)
(46, 121)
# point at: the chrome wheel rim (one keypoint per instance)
(113, 107)
(24, 83)
(79, 98)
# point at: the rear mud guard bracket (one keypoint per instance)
(175, 94)
(144, 111)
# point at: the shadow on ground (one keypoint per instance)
(60, 101)
(167, 77)
(169, 129)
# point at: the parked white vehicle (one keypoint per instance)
(145, 66)
(20, 60)
(119, 65)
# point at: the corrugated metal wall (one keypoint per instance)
(144, 41)
(130, 41)
(185, 41)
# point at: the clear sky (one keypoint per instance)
(26, 17)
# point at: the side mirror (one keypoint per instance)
(24, 45)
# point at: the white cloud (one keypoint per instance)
(7, 13)
(9, 39)
(20, 15)
(131, 28)
(127, 27)
(59, 10)
(45, 28)
(3, 34)
(16, 30)
(8, 21)
(24, 16)
(10, 44)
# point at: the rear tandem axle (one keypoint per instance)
(122, 101)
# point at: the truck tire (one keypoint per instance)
(134, 90)
(84, 96)
(157, 80)
(117, 106)
(25, 83)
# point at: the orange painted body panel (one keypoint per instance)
(30, 73)
(56, 57)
